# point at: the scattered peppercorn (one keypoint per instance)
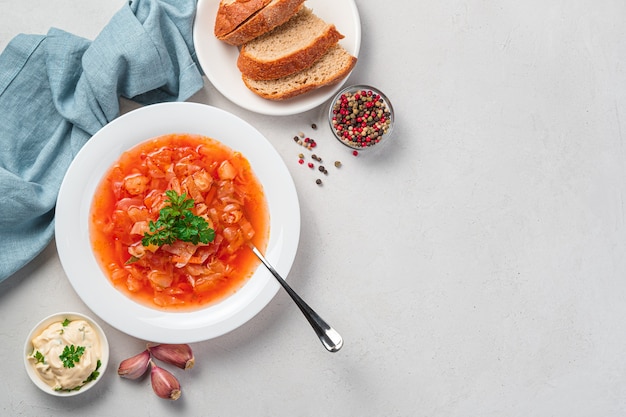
(313, 126)
(307, 142)
(355, 153)
(310, 143)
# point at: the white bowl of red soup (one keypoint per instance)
(171, 220)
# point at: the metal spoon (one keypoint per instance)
(329, 337)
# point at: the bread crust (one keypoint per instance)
(267, 18)
(275, 89)
(286, 65)
(232, 13)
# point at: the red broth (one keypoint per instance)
(179, 276)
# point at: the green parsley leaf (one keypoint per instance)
(95, 374)
(71, 355)
(177, 222)
(40, 358)
(66, 322)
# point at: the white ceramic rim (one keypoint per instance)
(74, 203)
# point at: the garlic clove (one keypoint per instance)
(179, 355)
(134, 367)
(164, 384)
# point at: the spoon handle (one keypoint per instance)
(329, 337)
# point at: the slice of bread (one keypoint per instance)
(289, 48)
(275, 13)
(232, 13)
(331, 68)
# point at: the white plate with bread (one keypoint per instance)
(250, 80)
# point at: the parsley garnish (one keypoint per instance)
(66, 322)
(71, 355)
(94, 375)
(177, 222)
(39, 357)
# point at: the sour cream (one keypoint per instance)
(48, 347)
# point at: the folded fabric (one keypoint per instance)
(57, 90)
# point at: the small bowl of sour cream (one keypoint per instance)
(66, 354)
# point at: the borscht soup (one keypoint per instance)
(171, 220)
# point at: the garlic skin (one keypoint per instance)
(164, 384)
(179, 355)
(134, 367)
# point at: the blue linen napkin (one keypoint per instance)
(57, 90)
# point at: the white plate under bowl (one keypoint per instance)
(84, 175)
(219, 59)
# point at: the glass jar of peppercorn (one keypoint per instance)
(361, 117)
